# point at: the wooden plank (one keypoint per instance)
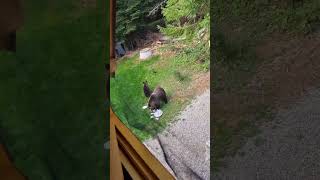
(116, 172)
(129, 167)
(113, 67)
(7, 170)
(153, 163)
(141, 166)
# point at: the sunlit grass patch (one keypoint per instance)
(127, 97)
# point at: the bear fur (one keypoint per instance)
(156, 97)
(146, 89)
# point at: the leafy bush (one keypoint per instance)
(189, 22)
(185, 18)
(132, 16)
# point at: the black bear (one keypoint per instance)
(156, 97)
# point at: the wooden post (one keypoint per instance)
(116, 172)
(112, 37)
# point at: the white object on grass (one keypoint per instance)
(158, 113)
(144, 107)
(145, 53)
(157, 118)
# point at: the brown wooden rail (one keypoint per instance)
(127, 150)
(7, 170)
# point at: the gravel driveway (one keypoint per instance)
(287, 148)
(182, 147)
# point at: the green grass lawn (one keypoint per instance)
(173, 73)
(52, 95)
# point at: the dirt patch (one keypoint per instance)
(199, 83)
(166, 54)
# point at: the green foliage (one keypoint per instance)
(196, 56)
(189, 22)
(175, 9)
(52, 95)
(185, 18)
(131, 16)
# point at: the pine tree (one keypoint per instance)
(131, 16)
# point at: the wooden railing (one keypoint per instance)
(127, 151)
(7, 170)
